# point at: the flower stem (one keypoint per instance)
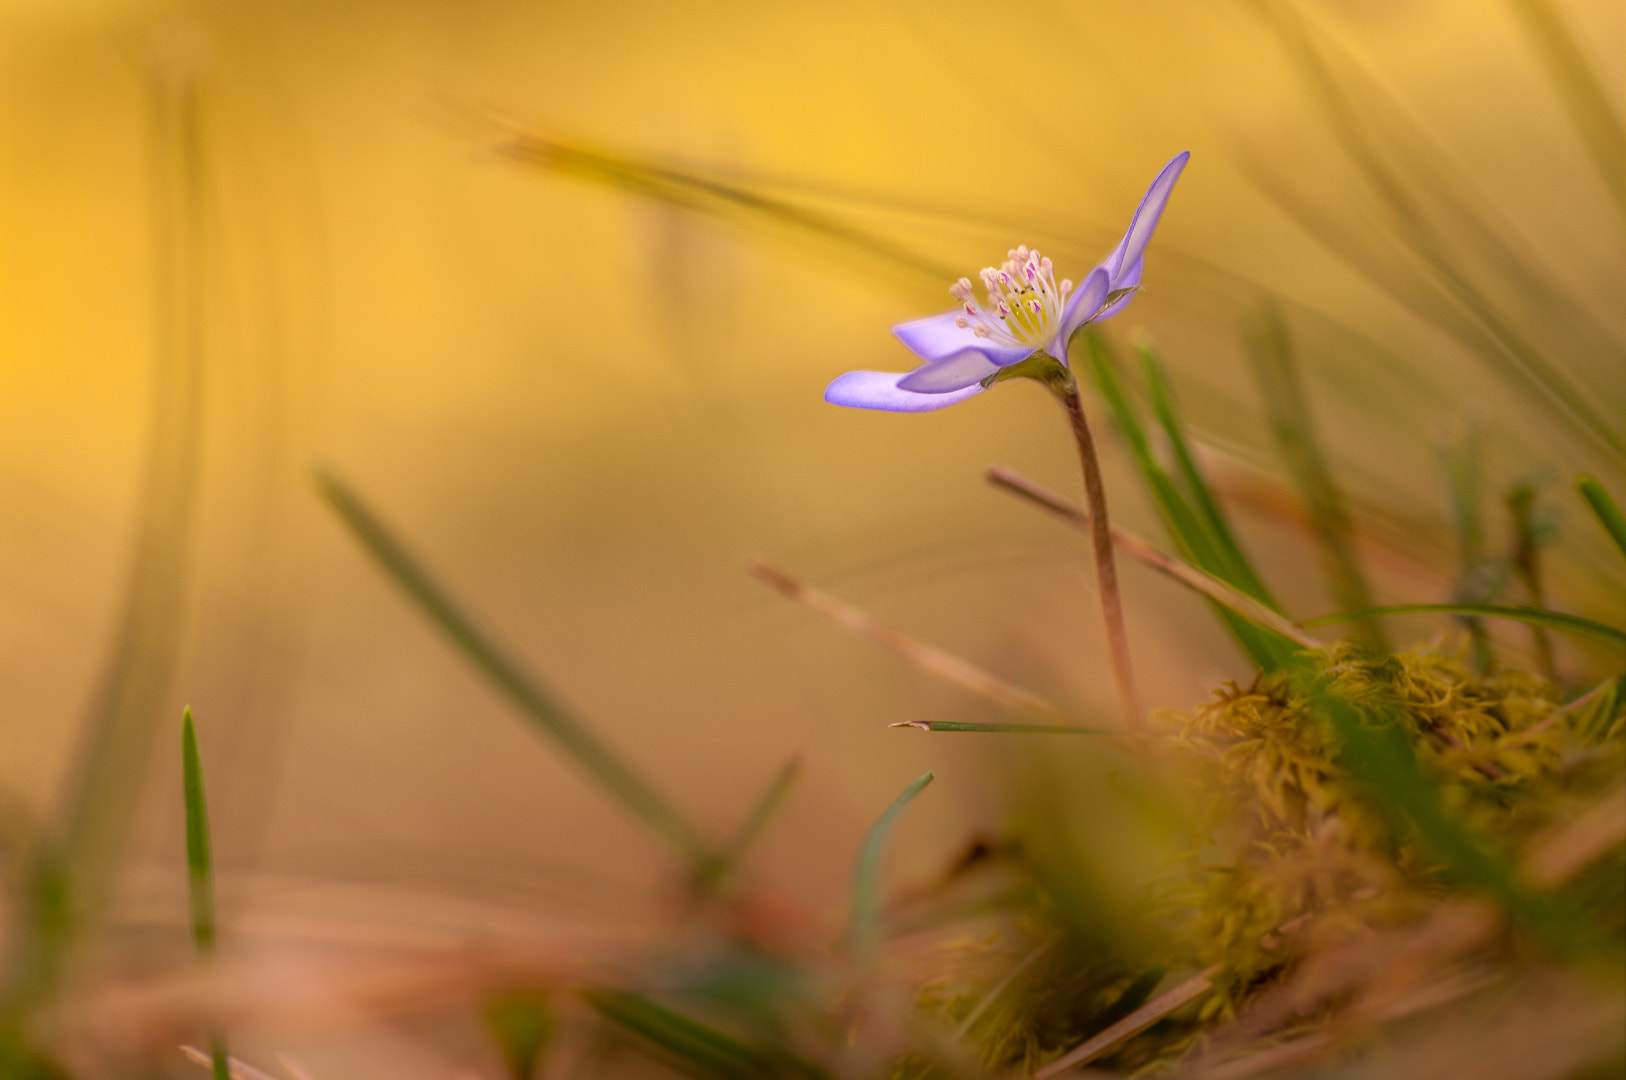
(1106, 568)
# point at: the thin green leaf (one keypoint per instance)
(766, 808)
(864, 930)
(1530, 530)
(1287, 408)
(1380, 758)
(1536, 616)
(1241, 570)
(200, 868)
(1457, 444)
(522, 1025)
(1608, 514)
(199, 861)
(695, 1048)
(569, 734)
(1192, 540)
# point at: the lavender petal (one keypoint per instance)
(880, 390)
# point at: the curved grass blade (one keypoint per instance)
(696, 1048)
(121, 729)
(1536, 616)
(200, 869)
(1608, 514)
(1287, 408)
(1580, 90)
(864, 928)
(1203, 499)
(1192, 538)
(569, 734)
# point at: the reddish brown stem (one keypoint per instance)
(1106, 568)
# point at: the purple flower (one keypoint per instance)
(1025, 312)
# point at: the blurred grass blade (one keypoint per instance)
(864, 925)
(1457, 443)
(569, 734)
(1287, 409)
(1134, 545)
(73, 871)
(1581, 92)
(1380, 758)
(1573, 624)
(522, 1025)
(1205, 503)
(1480, 283)
(695, 1048)
(708, 195)
(1192, 538)
(1608, 514)
(200, 869)
(766, 809)
(1530, 531)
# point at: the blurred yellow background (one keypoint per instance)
(587, 410)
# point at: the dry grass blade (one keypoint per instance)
(1001, 986)
(1137, 547)
(1132, 1025)
(1565, 851)
(931, 660)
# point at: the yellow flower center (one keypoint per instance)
(1024, 303)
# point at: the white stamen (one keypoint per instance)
(1023, 303)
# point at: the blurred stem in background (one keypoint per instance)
(1530, 531)
(1479, 578)
(1580, 91)
(1287, 408)
(74, 865)
(1467, 271)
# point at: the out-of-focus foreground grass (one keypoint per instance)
(236, 240)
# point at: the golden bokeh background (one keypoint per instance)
(586, 410)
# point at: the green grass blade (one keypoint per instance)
(1380, 758)
(200, 868)
(697, 1048)
(579, 743)
(766, 809)
(864, 928)
(1535, 616)
(1192, 540)
(1608, 514)
(1240, 568)
(1287, 408)
(1531, 530)
(199, 860)
(522, 1026)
